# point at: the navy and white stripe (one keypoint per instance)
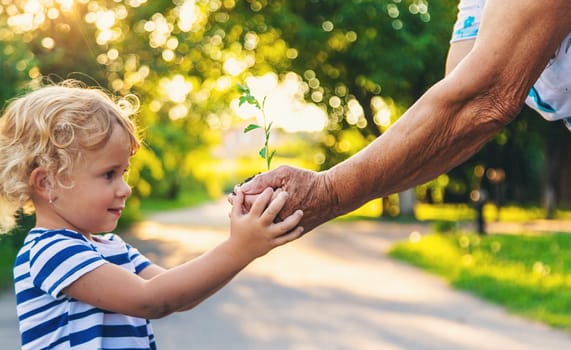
(51, 260)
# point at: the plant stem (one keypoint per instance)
(266, 135)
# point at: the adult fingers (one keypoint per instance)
(273, 179)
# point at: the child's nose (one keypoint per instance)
(124, 190)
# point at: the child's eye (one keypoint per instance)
(109, 175)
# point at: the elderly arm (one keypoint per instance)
(448, 124)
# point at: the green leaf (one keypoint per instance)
(250, 100)
(262, 152)
(251, 127)
(243, 89)
(269, 160)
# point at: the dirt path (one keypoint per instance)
(333, 289)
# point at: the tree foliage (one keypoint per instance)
(363, 61)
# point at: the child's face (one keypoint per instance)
(99, 191)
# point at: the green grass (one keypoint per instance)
(466, 212)
(7, 257)
(528, 274)
(460, 212)
(10, 242)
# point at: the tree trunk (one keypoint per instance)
(553, 155)
(564, 176)
(407, 200)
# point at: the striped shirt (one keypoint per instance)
(51, 260)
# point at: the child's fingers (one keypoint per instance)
(288, 237)
(237, 203)
(277, 191)
(261, 202)
(276, 194)
(230, 197)
(290, 222)
(274, 208)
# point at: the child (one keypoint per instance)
(65, 149)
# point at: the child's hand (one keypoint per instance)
(254, 232)
(249, 199)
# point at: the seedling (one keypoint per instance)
(246, 97)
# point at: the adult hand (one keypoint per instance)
(308, 191)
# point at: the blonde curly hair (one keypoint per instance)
(48, 128)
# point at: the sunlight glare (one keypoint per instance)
(355, 112)
(48, 43)
(22, 23)
(53, 13)
(66, 5)
(113, 54)
(285, 105)
(105, 20)
(178, 112)
(160, 30)
(33, 6)
(168, 55)
(383, 113)
(104, 37)
(176, 88)
(35, 13)
(234, 67)
(187, 15)
(135, 3)
(223, 83)
(172, 43)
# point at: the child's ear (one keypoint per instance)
(41, 184)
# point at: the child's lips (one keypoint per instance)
(116, 211)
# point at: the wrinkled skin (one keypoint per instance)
(309, 190)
